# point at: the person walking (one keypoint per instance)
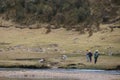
(89, 55)
(96, 55)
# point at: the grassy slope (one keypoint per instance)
(61, 37)
(65, 40)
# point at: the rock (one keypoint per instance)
(53, 45)
(3, 43)
(53, 63)
(42, 60)
(75, 40)
(81, 64)
(34, 26)
(71, 64)
(64, 57)
(37, 49)
(118, 67)
(1, 50)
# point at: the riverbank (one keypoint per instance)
(72, 62)
(57, 75)
(69, 66)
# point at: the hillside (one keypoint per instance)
(69, 14)
(25, 47)
(35, 29)
(70, 41)
(22, 18)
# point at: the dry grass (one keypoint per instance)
(69, 41)
(104, 62)
(64, 39)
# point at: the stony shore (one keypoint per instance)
(57, 75)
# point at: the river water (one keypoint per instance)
(75, 71)
(58, 74)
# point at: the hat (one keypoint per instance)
(96, 50)
(89, 50)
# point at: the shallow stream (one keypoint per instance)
(75, 71)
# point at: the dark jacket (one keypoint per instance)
(96, 54)
(90, 54)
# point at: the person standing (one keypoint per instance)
(96, 55)
(90, 56)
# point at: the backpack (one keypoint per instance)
(96, 54)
